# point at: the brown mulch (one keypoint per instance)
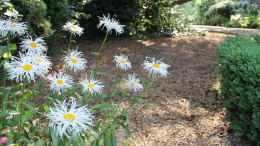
(184, 108)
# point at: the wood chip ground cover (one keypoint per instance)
(184, 108)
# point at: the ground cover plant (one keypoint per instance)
(70, 119)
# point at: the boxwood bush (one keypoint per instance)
(239, 68)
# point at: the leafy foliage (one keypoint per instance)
(239, 67)
(223, 13)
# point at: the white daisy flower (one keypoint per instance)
(35, 45)
(73, 28)
(93, 86)
(15, 27)
(122, 62)
(133, 83)
(110, 24)
(41, 60)
(3, 29)
(69, 118)
(24, 67)
(155, 67)
(60, 82)
(75, 61)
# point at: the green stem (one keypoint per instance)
(3, 100)
(119, 104)
(34, 101)
(21, 108)
(114, 85)
(8, 44)
(99, 52)
(70, 41)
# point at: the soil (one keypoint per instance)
(184, 107)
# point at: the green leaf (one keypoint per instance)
(40, 142)
(100, 73)
(13, 47)
(114, 110)
(27, 116)
(69, 142)
(82, 142)
(91, 74)
(95, 135)
(75, 139)
(126, 128)
(46, 130)
(99, 96)
(143, 100)
(113, 140)
(94, 143)
(46, 108)
(113, 92)
(133, 101)
(39, 86)
(27, 94)
(103, 105)
(105, 112)
(96, 126)
(4, 114)
(55, 140)
(121, 117)
(95, 53)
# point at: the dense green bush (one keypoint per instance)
(219, 13)
(230, 13)
(239, 68)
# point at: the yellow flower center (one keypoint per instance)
(156, 65)
(12, 24)
(69, 117)
(132, 83)
(27, 67)
(109, 23)
(91, 85)
(73, 26)
(33, 44)
(122, 61)
(73, 60)
(38, 60)
(59, 82)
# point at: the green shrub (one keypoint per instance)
(239, 68)
(235, 20)
(219, 13)
(250, 22)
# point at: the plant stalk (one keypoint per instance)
(111, 95)
(70, 41)
(99, 52)
(21, 108)
(3, 100)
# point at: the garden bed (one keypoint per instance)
(184, 108)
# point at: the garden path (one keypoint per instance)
(227, 30)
